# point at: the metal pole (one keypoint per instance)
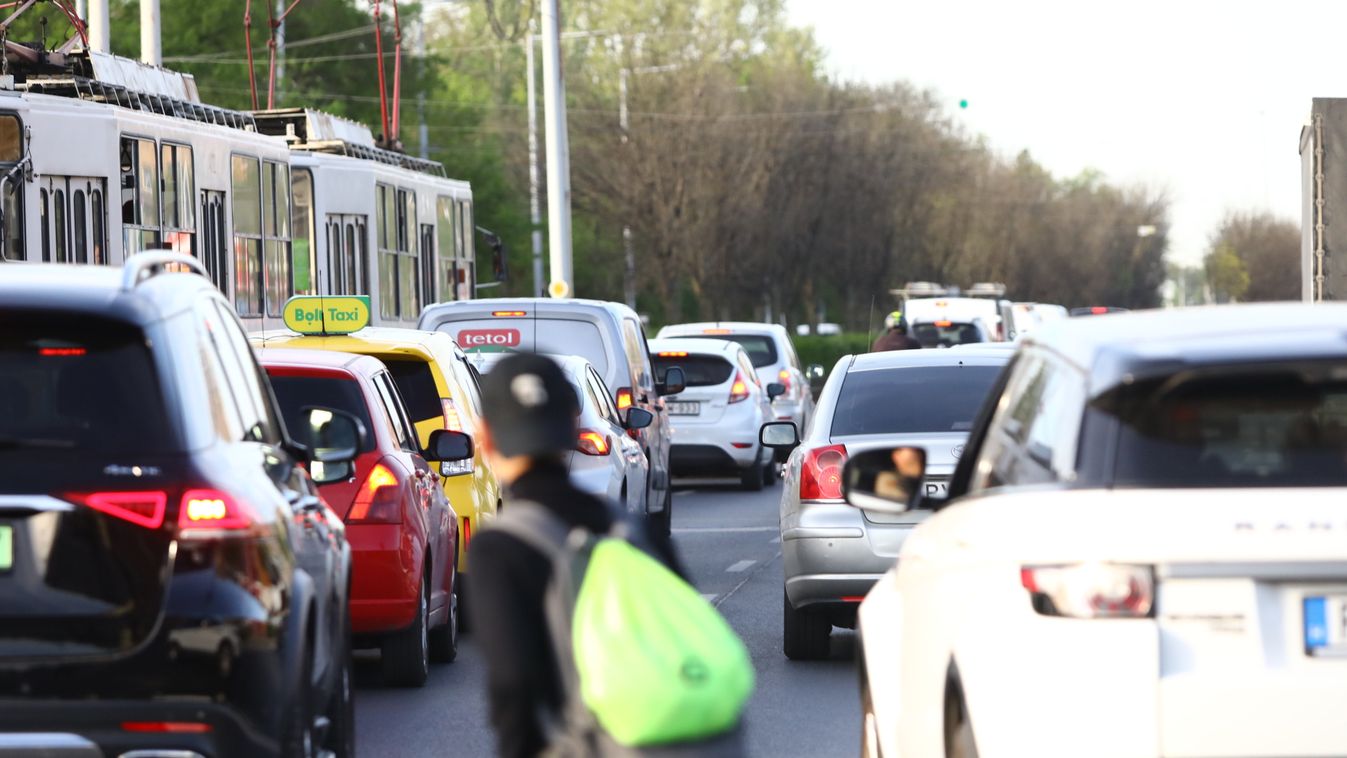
(628, 252)
(98, 27)
(422, 128)
(558, 155)
(280, 49)
(82, 10)
(150, 50)
(535, 210)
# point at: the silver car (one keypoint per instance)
(833, 553)
(607, 461)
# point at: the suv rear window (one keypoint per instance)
(1275, 428)
(912, 399)
(530, 335)
(294, 393)
(700, 370)
(761, 348)
(79, 383)
(946, 334)
(416, 382)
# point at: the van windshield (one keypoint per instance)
(1275, 427)
(530, 335)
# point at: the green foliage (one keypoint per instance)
(826, 349)
(1268, 249)
(1226, 275)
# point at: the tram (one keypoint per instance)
(102, 157)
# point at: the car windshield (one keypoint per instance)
(1282, 428)
(295, 393)
(912, 399)
(946, 334)
(761, 348)
(699, 370)
(78, 383)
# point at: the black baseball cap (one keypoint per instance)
(530, 406)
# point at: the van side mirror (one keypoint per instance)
(448, 446)
(332, 438)
(888, 480)
(675, 381)
(638, 418)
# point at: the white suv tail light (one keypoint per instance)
(1091, 590)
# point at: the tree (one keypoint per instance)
(1268, 247)
(1226, 274)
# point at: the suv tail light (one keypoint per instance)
(821, 473)
(211, 510)
(453, 421)
(379, 499)
(591, 442)
(783, 376)
(738, 390)
(1091, 590)
(142, 508)
(624, 398)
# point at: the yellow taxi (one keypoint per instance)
(439, 387)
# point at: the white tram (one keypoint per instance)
(274, 203)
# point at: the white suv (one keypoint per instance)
(715, 419)
(773, 356)
(1142, 553)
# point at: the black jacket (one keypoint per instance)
(505, 608)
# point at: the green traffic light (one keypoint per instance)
(963, 103)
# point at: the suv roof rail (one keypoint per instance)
(142, 266)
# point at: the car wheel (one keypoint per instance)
(752, 478)
(340, 739)
(804, 634)
(297, 739)
(406, 654)
(769, 472)
(444, 638)
(959, 741)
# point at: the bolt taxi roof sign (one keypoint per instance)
(326, 314)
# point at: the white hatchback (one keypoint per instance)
(715, 419)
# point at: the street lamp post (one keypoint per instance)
(558, 154)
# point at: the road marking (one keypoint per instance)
(740, 566)
(721, 601)
(725, 529)
(709, 597)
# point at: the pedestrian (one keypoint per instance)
(529, 425)
(895, 335)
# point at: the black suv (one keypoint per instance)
(170, 579)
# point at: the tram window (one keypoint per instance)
(11, 139)
(81, 224)
(97, 243)
(178, 189)
(247, 276)
(388, 284)
(357, 258)
(445, 233)
(147, 173)
(247, 186)
(247, 238)
(409, 283)
(301, 222)
(469, 230)
(277, 275)
(46, 230)
(428, 262)
(388, 226)
(58, 208)
(13, 223)
(215, 240)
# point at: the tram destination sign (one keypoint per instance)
(326, 314)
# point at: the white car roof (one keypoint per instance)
(698, 346)
(734, 327)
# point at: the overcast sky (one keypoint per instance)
(1202, 99)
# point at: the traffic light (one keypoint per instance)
(963, 104)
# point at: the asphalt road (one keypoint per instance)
(730, 545)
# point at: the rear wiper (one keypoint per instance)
(16, 443)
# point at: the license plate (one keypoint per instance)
(6, 548)
(684, 408)
(937, 489)
(1326, 625)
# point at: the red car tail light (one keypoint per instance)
(379, 499)
(1091, 590)
(467, 533)
(783, 376)
(821, 473)
(143, 508)
(211, 510)
(738, 390)
(591, 442)
(166, 727)
(624, 398)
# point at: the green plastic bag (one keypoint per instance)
(657, 663)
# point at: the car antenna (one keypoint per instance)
(870, 335)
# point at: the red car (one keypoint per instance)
(402, 530)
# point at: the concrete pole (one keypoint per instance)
(558, 155)
(99, 41)
(280, 50)
(535, 208)
(422, 128)
(628, 252)
(150, 50)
